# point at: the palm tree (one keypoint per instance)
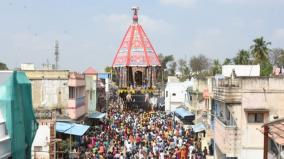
(227, 61)
(260, 50)
(242, 58)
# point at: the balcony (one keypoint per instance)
(227, 90)
(5, 141)
(76, 107)
(76, 102)
(227, 138)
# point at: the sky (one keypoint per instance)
(90, 31)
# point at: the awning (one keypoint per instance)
(198, 127)
(97, 115)
(255, 109)
(276, 130)
(71, 128)
(183, 112)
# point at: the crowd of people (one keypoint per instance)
(140, 135)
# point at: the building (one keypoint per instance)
(49, 89)
(101, 95)
(200, 94)
(44, 143)
(91, 89)
(241, 70)
(273, 139)
(105, 77)
(176, 94)
(5, 140)
(58, 89)
(18, 125)
(241, 105)
(28, 66)
(76, 104)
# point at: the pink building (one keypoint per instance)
(76, 103)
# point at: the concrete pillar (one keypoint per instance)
(265, 142)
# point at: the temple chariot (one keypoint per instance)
(136, 66)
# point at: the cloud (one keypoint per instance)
(179, 3)
(117, 23)
(156, 25)
(277, 38)
(113, 22)
(38, 48)
(208, 41)
(278, 34)
(251, 1)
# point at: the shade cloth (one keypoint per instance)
(71, 128)
(97, 115)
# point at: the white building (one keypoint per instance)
(28, 66)
(176, 94)
(5, 141)
(40, 147)
(43, 146)
(241, 70)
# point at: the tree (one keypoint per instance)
(164, 62)
(3, 66)
(199, 63)
(260, 50)
(242, 58)
(216, 68)
(172, 68)
(265, 68)
(227, 61)
(183, 69)
(276, 57)
(108, 69)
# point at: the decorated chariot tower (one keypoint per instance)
(136, 64)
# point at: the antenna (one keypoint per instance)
(56, 53)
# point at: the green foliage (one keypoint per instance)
(3, 66)
(227, 61)
(172, 68)
(259, 50)
(184, 69)
(242, 58)
(265, 68)
(64, 145)
(199, 63)
(202, 74)
(165, 60)
(216, 68)
(108, 69)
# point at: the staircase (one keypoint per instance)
(5, 141)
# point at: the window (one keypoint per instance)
(174, 94)
(166, 93)
(255, 117)
(71, 92)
